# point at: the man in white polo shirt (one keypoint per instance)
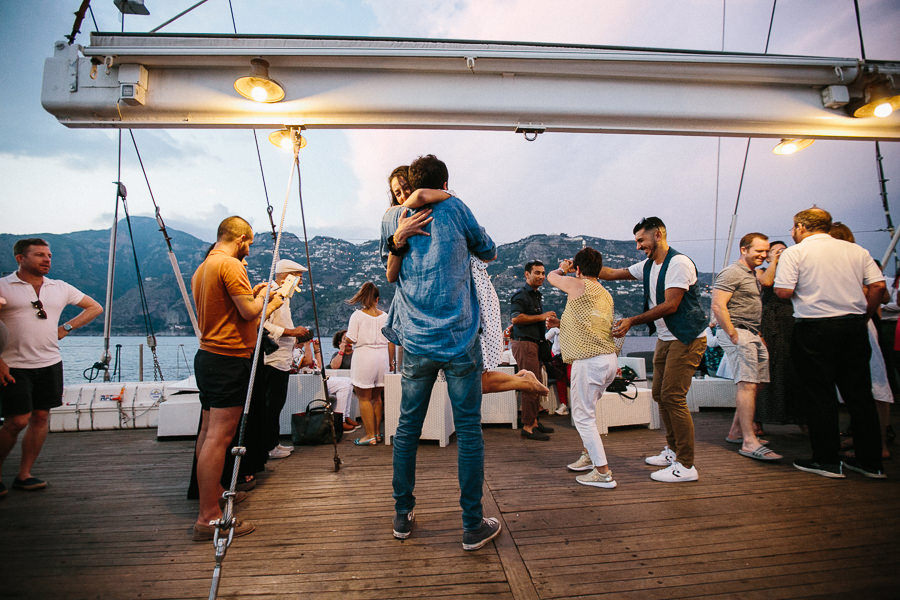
(824, 277)
(31, 375)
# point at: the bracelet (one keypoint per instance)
(393, 249)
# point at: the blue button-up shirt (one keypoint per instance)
(435, 310)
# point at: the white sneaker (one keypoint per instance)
(277, 452)
(675, 473)
(283, 447)
(583, 463)
(663, 459)
(562, 410)
(597, 479)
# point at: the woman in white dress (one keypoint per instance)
(491, 329)
(371, 352)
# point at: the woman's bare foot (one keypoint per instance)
(533, 384)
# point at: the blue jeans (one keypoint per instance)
(463, 375)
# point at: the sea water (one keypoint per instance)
(80, 352)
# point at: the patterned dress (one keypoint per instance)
(491, 330)
(777, 402)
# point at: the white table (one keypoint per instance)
(711, 392)
(613, 410)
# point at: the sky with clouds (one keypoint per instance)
(58, 180)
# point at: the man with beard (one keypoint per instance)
(672, 310)
(737, 307)
(31, 374)
(228, 312)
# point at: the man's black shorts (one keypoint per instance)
(222, 380)
(34, 389)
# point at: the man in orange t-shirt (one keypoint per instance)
(228, 312)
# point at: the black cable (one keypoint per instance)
(91, 10)
(771, 20)
(862, 47)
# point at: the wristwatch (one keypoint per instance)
(67, 326)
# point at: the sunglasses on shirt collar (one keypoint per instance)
(41, 313)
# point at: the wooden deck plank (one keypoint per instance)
(115, 523)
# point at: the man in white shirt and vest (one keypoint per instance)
(31, 375)
(671, 309)
(835, 287)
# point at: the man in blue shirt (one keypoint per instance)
(435, 317)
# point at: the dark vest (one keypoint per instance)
(689, 320)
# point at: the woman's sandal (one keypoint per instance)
(365, 442)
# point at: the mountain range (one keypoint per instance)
(337, 269)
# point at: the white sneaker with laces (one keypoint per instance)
(562, 410)
(663, 459)
(675, 473)
(277, 452)
(597, 479)
(583, 463)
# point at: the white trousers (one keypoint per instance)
(590, 378)
(342, 390)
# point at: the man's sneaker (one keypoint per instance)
(675, 473)
(277, 452)
(403, 524)
(562, 410)
(823, 469)
(663, 459)
(870, 472)
(583, 463)
(597, 479)
(473, 540)
(204, 533)
(283, 447)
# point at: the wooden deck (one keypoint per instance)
(115, 523)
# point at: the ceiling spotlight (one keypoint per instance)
(880, 100)
(258, 86)
(790, 146)
(286, 138)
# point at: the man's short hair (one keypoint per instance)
(589, 261)
(531, 264)
(428, 172)
(650, 223)
(814, 219)
(747, 240)
(21, 246)
(338, 338)
(777, 243)
(232, 228)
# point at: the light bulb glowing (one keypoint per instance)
(883, 110)
(791, 146)
(259, 94)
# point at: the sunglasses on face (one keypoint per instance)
(41, 313)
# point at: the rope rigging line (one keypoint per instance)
(224, 527)
(145, 307)
(262, 173)
(737, 200)
(179, 278)
(178, 16)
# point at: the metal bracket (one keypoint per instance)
(530, 131)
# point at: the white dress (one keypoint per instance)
(491, 330)
(370, 349)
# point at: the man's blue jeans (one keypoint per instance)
(463, 375)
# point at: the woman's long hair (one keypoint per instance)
(367, 295)
(401, 171)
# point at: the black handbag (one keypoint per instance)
(545, 351)
(318, 425)
(621, 382)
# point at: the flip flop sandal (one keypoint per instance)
(763, 453)
(365, 442)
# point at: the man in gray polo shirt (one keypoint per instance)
(737, 307)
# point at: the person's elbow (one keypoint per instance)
(783, 293)
(392, 277)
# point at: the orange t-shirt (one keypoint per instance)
(222, 328)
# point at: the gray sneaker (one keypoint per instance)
(473, 540)
(403, 524)
(583, 463)
(597, 479)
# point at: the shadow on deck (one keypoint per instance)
(115, 523)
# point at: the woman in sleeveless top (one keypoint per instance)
(371, 352)
(587, 344)
(491, 337)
